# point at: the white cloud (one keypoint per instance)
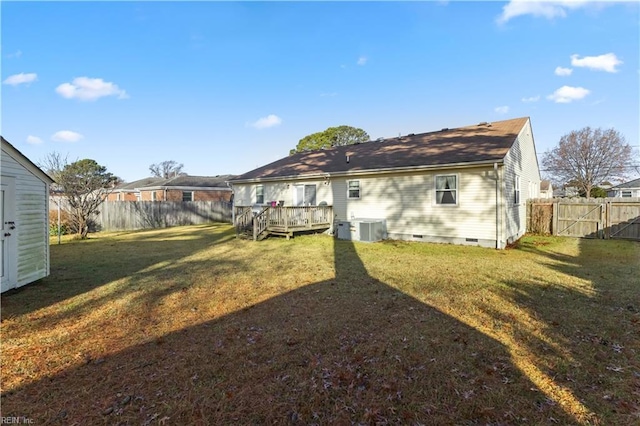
(15, 54)
(501, 109)
(66, 136)
(543, 9)
(563, 72)
(33, 140)
(270, 120)
(90, 89)
(21, 78)
(362, 60)
(531, 99)
(607, 62)
(567, 94)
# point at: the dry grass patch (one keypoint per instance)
(191, 326)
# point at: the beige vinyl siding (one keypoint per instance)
(245, 194)
(407, 202)
(520, 161)
(32, 222)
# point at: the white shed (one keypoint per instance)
(24, 219)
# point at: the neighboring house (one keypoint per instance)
(626, 190)
(546, 189)
(179, 188)
(567, 191)
(465, 186)
(24, 219)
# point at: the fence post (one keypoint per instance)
(607, 220)
(554, 221)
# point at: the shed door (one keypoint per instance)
(8, 246)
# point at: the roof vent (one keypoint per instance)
(484, 123)
(380, 139)
(411, 134)
(444, 129)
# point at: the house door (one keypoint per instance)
(304, 195)
(8, 247)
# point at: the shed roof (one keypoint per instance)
(24, 161)
(469, 144)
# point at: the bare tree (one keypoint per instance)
(166, 169)
(53, 164)
(587, 157)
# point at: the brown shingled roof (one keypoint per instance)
(469, 144)
(178, 181)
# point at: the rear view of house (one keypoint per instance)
(467, 185)
(24, 219)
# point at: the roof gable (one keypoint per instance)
(24, 161)
(470, 144)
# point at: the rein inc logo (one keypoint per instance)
(20, 420)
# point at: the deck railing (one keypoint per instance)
(260, 223)
(283, 219)
(243, 219)
(300, 216)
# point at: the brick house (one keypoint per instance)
(179, 188)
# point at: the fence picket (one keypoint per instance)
(132, 215)
(594, 218)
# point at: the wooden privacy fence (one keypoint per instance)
(578, 217)
(130, 215)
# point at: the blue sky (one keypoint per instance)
(227, 87)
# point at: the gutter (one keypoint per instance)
(386, 170)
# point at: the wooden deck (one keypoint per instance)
(281, 220)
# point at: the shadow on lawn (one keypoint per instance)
(595, 324)
(346, 350)
(78, 268)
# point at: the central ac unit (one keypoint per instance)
(368, 230)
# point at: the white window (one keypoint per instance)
(447, 189)
(259, 194)
(153, 195)
(626, 194)
(516, 190)
(138, 196)
(187, 195)
(353, 189)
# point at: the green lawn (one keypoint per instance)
(191, 326)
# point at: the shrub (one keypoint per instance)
(65, 222)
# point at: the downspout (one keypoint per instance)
(495, 169)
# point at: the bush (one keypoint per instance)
(65, 222)
(540, 219)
